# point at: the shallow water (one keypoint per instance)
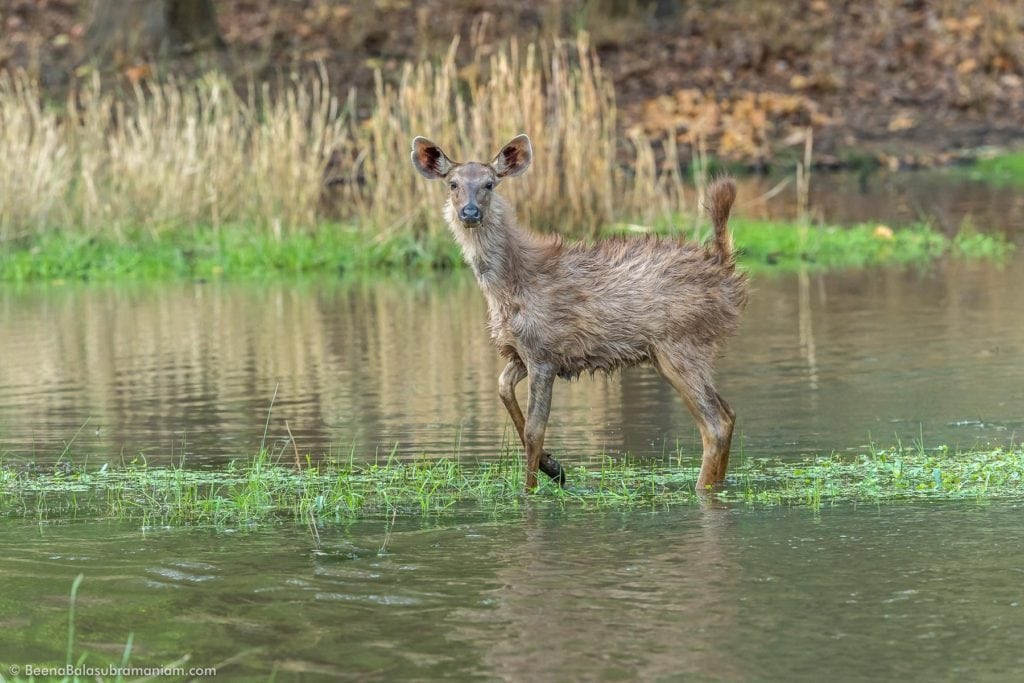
(823, 362)
(920, 592)
(187, 372)
(947, 199)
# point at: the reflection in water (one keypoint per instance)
(807, 329)
(718, 594)
(193, 368)
(188, 370)
(945, 199)
(547, 611)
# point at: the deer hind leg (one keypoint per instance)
(723, 461)
(690, 375)
(512, 375)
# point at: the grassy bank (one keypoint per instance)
(231, 252)
(264, 489)
(771, 244)
(1005, 168)
(194, 179)
(333, 249)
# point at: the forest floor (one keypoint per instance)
(894, 82)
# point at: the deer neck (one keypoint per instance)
(501, 253)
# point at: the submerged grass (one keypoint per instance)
(263, 489)
(240, 252)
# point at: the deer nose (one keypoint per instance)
(470, 213)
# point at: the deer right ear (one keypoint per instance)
(429, 160)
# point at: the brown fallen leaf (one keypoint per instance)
(900, 122)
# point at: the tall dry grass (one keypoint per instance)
(186, 156)
(36, 164)
(583, 175)
(168, 156)
(201, 155)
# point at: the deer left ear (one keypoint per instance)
(514, 158)
(429, 160)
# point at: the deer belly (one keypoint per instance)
(570, 355)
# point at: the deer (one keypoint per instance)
(558, 309)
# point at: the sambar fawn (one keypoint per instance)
(558, 310)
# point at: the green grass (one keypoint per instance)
(332, 249)
(263, 489)
(232, 252)
(767, 243)
(1005, 168)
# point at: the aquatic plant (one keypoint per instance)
(266, 489)
(80, 668)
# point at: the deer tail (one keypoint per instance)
(718, 202)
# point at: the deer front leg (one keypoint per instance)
(542, 378)
(511, 376)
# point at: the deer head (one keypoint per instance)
(470, 184)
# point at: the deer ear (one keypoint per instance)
(429, 160)
(514, 158)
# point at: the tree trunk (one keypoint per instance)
(127, 31)
(192, 24)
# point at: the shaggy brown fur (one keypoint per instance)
(561, 309)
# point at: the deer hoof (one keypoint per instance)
(552, 468)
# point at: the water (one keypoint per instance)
(946, 199)
(187, 372)
(719, 594)
(822, 362)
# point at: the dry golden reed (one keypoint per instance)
(170, 156)
(36, 165)
(199, 155)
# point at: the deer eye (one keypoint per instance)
(453, 185)
(489, 186)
